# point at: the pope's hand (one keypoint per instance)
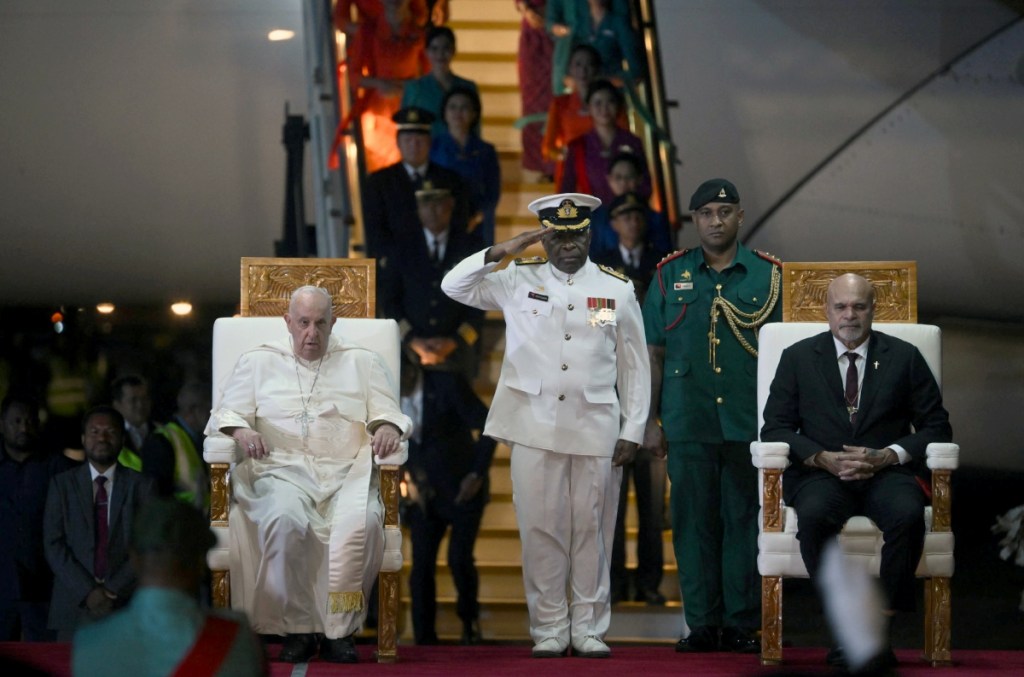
(386, 440)
(251, 441)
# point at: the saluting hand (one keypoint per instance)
(516, 245)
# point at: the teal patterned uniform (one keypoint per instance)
(708, 412)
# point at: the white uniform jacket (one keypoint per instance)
(575, 376)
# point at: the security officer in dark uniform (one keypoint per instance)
(701, 316)
(437, 332)
(448, 478)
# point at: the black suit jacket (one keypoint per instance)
(409, 291)
(640, 275)
(69, 539)
(389, 204)
(447, 452)
(900, 403)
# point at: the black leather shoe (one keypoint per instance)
(470, 633)
(298, 648)
(836, 657)
(341, 650)
(702, 639)
(738, 640)
(650, 597)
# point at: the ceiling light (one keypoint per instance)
(181, 308)
(105, 308)
(279, 34)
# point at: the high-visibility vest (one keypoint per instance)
(130, 459)
(190, 483)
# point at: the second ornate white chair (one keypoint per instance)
(778, 549)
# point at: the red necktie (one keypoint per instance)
(851, 387)
(99, 562)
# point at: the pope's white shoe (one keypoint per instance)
(550, 647)
(591, 647)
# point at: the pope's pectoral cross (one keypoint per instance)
(304, 419)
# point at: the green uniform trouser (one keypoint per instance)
(714, 533)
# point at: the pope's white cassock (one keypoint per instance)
(314, 519)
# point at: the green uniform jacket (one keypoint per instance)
(701, 402)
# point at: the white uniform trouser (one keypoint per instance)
(565, 506)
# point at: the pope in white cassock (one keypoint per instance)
(310, 413)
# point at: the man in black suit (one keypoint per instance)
(89, 558)
(437, 332)
(389, 194)
(26, 468)
(857, 408)
(132, 400)
(448, 469)
(636, 257)
(634, 254)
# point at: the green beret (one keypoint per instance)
(714, 190)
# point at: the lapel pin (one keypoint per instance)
(876, 364)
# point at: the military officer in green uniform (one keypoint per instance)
(701, 316)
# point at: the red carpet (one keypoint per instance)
(452, 661)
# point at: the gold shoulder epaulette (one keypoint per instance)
(673, 255)
(530, 260)
(613, 272)
(770, 258)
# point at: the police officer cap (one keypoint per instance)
(431, 192)
(413, 119)
(565, 211)
(714, 190)
(627, 202)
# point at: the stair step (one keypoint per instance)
(487, 37)
(483, 10)
(487, 72)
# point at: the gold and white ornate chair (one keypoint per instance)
(266, 288)
(778, 550)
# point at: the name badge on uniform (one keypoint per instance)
(600, 312)
(682, 286)
(539, 297)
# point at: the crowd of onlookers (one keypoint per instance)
(577, 60)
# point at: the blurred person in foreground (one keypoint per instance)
(163, 630)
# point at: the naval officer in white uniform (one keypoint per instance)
(572, 403)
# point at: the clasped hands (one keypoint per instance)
(386, 440)
(854, 463)
(434, 350)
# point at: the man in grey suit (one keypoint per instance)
(89, 556)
